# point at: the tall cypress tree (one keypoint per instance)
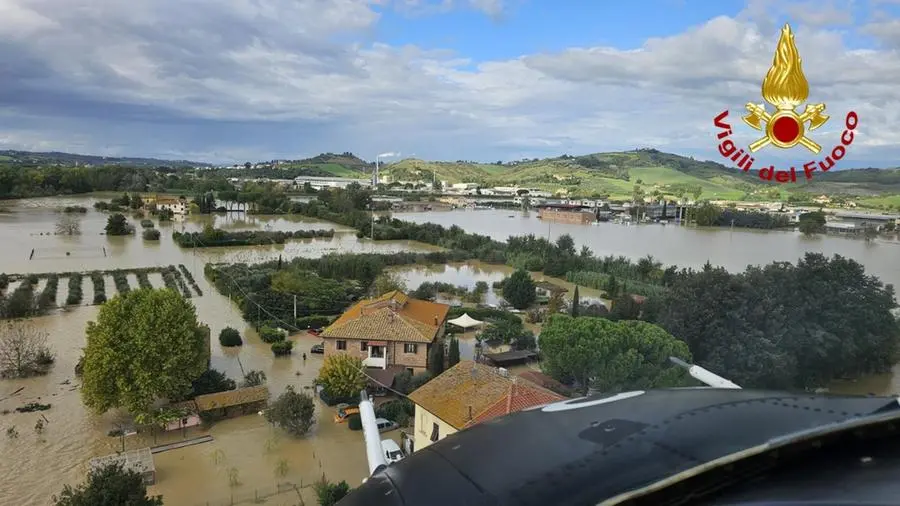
(575, 302)
(453, 359)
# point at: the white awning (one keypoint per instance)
(465, 321)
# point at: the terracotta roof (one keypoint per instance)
(521, 395)
(470, 393)
(539, 378)
(232, 398)
(391, 317)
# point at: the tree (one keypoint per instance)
(117, 224)
(611, 356)
(387, 282)
(436, 358)
(292, 411)
(575, 302)
(68, 224)
(144, 345)
(329, 493)
(342, 376)
(150, 234)
(624, 307)
(23, 351)
(108, 486)
(767, 327)
(254, 378)
(212, 381)
(519, 289)
(809, 228)
(230, 337)
(135, 202)
(453, 355)
(566, 244)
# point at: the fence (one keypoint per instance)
(291, 494)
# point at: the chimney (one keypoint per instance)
(435, 319)
(470, 411)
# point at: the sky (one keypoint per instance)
(229, 81)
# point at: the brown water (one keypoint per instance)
(671, 244)
(36, 466)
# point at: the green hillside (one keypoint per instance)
(612, 174)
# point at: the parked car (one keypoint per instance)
(316, 331)
(318, 348)
(384, 425)
(344, 412)
(391, 450)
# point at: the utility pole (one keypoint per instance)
(295, 308)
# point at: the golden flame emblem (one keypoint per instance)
(785, 88)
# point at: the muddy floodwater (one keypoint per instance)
(248, 458)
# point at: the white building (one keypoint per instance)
(330, 182)
(177, 206)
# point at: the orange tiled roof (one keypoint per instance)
(520, 396)
(391, 317)
(470, 393)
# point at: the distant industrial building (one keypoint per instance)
(330, 182)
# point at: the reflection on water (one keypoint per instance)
(30, 226)
(733, 249)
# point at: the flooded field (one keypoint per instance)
(248, 456)
(245, 447)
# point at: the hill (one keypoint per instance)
(329, 164)
(29, 158)
(613, 174)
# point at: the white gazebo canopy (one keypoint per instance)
(465, 321)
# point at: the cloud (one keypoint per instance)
(258, 79)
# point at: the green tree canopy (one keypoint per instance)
(314, 291)
(453, 354)
(576, 304)
(519, 289)
(341, 375)
(292, 411)
(117, 224)
(436, 358)
(611, 356)
(145, 344)
(108, 486)
(387, 282)
(778, 326)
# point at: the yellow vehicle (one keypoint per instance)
(344, 412)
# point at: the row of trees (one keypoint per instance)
(767, 327)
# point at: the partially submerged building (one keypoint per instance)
(139, 461)
(231, 403)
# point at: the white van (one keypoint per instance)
(391, 450)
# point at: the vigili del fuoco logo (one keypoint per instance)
(785, 88)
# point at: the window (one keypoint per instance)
(435, 432)
(341, 345)
(376, 352)
(410, 348)
(410, 370)
(363, 346)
